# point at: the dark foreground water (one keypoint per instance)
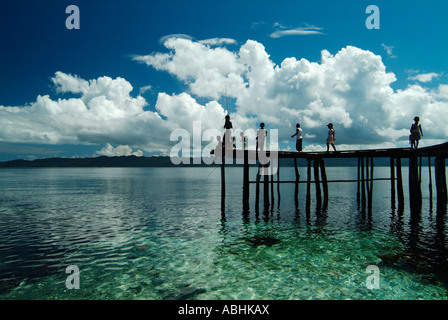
(157, 233)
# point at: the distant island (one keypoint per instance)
(102, 161)
(155, 161)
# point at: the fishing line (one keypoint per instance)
(210, 173)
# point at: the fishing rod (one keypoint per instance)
(227, 104)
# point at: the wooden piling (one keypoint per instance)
(223, 182)
(257, 188)
(272, 182)
(266, 186)
(415, 193)
(324, 182)
(430, 181)
(278, 182)
(363, 186)
(308, 185)
(246, 180)
(392, 181)
(367, 178)
(420, 170)
(358, 195)
(296, 188)
(440, 182)
(370, 199)
(317, 183)
(368, 183)
(399, 185)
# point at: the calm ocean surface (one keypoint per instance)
(157, 233)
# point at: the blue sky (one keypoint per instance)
(36, 45)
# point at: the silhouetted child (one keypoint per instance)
(416, 133)
(243, 140)
(227, 139)
(228, 123)
(261, 137)
(218, 149)
(299, 137)
(217, 152)
(331, 137)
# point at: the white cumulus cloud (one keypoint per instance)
(296, 32)
(350, 88)
(121, 150)
(104, 113)
(424, 77)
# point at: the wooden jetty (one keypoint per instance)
(269, 166)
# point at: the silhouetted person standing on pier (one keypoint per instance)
(218, 149)
(228, 140)
(261, 137)
(416, 133)
(243, 140)
(299, 134)
(331, 137)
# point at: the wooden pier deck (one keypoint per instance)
(269, 166)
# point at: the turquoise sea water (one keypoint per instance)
(158, 233)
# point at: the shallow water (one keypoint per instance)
(158, 233)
